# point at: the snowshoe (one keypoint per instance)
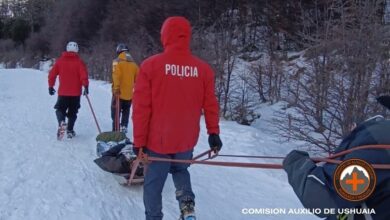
(70, 134)
(187, 210)
(61, 131)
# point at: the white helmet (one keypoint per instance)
(72, 47)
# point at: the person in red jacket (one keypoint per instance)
(73, 75)
(171, 91)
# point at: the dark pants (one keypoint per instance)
(155, 178)
(124, 112)
(67, 106)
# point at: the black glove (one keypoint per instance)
(293, 156)
(52, 91)
(215, 142)
(86, 91)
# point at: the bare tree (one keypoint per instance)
(243, 104)
(345, 57)
(225, 50)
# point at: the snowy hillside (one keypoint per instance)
(42, 178)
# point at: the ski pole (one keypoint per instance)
(93, 113)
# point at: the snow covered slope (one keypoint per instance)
(42, 178)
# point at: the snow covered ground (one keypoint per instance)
(42, 178)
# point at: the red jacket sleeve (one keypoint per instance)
(210, 103)
(142, 107)
(83, 74)
(53, 75)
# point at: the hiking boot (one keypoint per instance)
(61, 130)
(187, 210)
(123, 129)
(70, 134)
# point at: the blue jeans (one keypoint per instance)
(155, 178)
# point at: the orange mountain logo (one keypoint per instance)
(354, 179)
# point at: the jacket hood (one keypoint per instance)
(176, 34)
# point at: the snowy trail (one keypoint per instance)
(42, 178)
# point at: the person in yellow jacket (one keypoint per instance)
(124, 73)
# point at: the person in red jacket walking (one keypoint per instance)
(73, 75)
(171, 91)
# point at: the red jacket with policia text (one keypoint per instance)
(171, 91)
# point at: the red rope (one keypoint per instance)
(363, 147)
(330, 159)
(217, 163)
(326, 160)
(208, 152)
(248, 156)
(144, 158)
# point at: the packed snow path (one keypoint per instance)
(42, 178)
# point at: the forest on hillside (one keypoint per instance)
(327, 59)
(41, 28)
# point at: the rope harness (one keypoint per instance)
(206, 158)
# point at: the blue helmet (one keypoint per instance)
(121, 47)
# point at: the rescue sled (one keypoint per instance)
(115, 155)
